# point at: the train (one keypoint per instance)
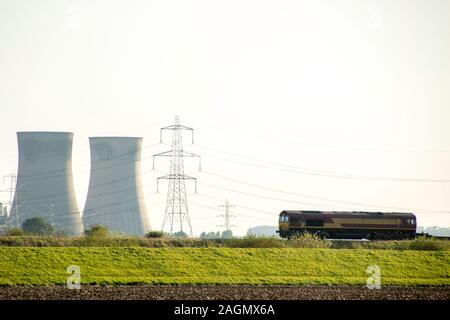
(348, 224)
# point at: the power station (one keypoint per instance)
(44, 186)
(115, 196)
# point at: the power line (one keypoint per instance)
(99, 185)
(308, 196)
(261, 196)
(285, 167)
(240, 205)
(235, 213)
(278, 138)
(101, 194)
(314, 172)
(98, 210)
(52, 173)
(36, 200)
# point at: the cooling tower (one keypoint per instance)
(115, 197)
(44, 185)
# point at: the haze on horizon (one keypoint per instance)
(353, 94)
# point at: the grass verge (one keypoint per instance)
(106, 266)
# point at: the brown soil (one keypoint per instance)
(225, 292)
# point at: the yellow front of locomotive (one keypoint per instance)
(283, 225)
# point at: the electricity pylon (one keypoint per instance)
(226, 225)
(12, 217)
(177, 213)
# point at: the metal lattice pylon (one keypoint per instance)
(177, 214)
(227, 216)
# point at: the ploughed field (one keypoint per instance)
(224, 292)
(209, 266)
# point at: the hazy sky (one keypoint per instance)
(359, 88)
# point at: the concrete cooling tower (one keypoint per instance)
(115, 196)
(44, 185)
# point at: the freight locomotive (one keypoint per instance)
(348, 225)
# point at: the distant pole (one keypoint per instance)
(14, 189)
(12, 181)
(227, 223)
(12, 177)
(17, 210)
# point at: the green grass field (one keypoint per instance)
(47, 266)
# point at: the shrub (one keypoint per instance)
(154, 234)
(37, 226)
(423, 243)
(210, 235)
(62, 233)
(227, 234)
(97, 231)
(94, 238)
(180, 234)
(308, 240)
(118, 234)
(14, 232)
(252, 241)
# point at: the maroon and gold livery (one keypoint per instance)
(348, 225)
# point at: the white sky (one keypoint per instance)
(355, 87)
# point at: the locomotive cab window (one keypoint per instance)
(314, 223)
